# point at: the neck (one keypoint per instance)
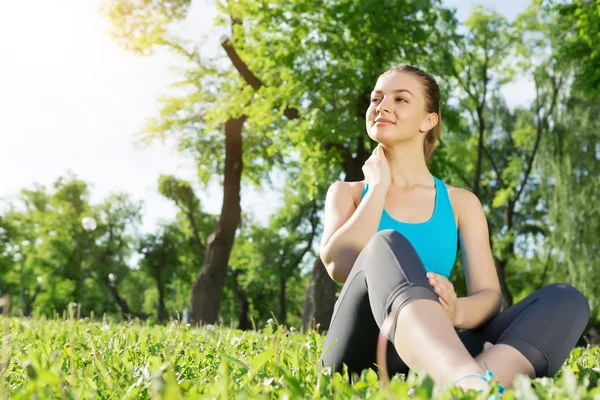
(407, 164)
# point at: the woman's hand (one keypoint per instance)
(377, 168)
(445, 291)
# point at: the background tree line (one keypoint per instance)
(285, 97)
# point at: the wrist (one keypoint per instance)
(458, 319)
(380, 186)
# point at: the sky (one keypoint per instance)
(72, 100)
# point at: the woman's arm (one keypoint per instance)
(348, 228)
(484, 296)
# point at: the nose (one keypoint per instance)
(383, 105)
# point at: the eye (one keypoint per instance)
(400, 99)
(374, 99)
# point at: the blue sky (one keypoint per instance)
(71, 99)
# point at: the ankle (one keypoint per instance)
(468, 368)
(471, 376)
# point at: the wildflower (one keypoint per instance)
(268, 381)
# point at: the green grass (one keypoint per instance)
(84, 360)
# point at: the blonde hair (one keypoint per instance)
(432, 103)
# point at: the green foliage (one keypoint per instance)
(51, 261)
(79, 359)
(577, 32)
(321, 61)
(268, 259)
(140, 24)
(571, 171)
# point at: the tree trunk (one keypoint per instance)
(29, 304)
(159, 284)
(507, 297)
(243, 323)
(282, 304)
(121, 302)
(481, 131)
(320, 299)
(500, 264)
(207, 290)
(320, 294)
(161, 300)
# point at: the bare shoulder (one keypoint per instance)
(463, 201)
(353, 189)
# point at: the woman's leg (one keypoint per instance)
(422, 332)
(353, 332)
(389, 275)
(535, 336)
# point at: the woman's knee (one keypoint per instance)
(391, 237)
(390, 249)
(395, 275)
(569, 298)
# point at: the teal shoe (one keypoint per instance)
(487, 378)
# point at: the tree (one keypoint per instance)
(481, 68)
(45, 252)
(570, 169)
(319, 75)
(113, 242)
(266, 259)
(19, 235)
(197, 120)
(160, 261)
(577, 32)
(501, 153)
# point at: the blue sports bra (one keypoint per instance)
(436, 240)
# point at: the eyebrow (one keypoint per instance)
(395, 91)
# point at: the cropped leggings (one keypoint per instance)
(388, 274)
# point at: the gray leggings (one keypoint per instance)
(388, 274)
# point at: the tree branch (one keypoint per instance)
(193, 56)
(241, 66)
(467, 85)
(192, 218)
(541, 126)
(455, 167)
(495, 168)
(546, 268)
(250, 78)
(311, 236)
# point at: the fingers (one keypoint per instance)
(442, 287)
(375, 153)
(440, 280)
(444, 304)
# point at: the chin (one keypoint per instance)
(382, 136)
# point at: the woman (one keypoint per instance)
(392, 241)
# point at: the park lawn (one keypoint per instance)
(83, 360)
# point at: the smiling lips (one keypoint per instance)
(383, 121)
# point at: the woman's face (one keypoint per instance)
(397, 109)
